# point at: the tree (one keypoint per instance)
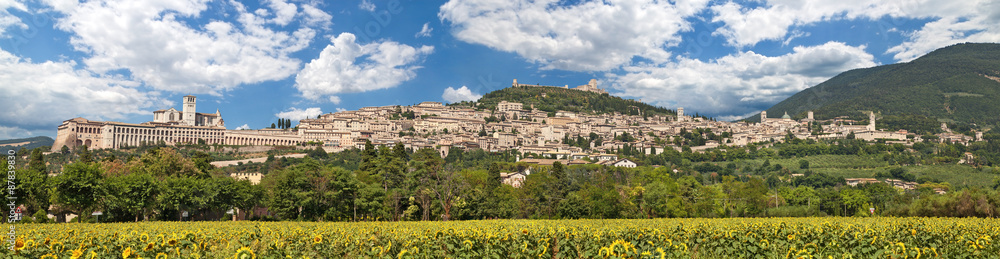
(36, 162)
(34, 182)
(129, 195)
(76, 187)
(163, 162)
(288, 123)
(84, 155)
(803, 164)
(272, 125)
(399, 151)
(202, 161)
(494, 179)
(318, 153)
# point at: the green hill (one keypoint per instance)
(26, 143)
(562, 99)
(959, 83)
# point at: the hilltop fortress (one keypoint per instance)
(434, 125)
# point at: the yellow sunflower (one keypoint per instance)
(161, 255)
(318, 239)
(19, 244)
(244, 253)
(148, 247)
(127, 252)
(77, 253)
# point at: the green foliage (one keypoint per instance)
(77, 186)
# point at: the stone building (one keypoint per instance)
(168, 126)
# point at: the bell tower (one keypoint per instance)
(189, 110)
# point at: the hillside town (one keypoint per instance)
(529, 131)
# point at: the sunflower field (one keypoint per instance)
(655, 238)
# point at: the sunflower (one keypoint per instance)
(318, 239)
(161, 255)
(77, 253)
(49, 256)
(92, 255)
(148, 247)
(127, 252)
(54, 245)
(19, 244)
(244, 252)
(172, 242)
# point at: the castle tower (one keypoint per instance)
(680, 113)
(809, 115)
(189, 110)
(763, 116)
(515, 82)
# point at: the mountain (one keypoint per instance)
(553, 99)
(955, 84)
(26, 143)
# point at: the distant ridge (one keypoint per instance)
(26, 143)
(958, 83)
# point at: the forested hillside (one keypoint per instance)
(26, 143)
(562, 99)
(959, 83)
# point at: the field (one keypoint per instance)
(656, 238)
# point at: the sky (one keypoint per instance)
(257, 61)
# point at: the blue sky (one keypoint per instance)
(256, 61)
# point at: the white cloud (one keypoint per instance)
(284, 12)
(960, 21)
(156, 43)
(244, 127)
(425, 31)
(335, 99)
(15, 132)
(951, 21)
(345, 66)
(739, 83)
(67, 93)
(453, 95)
(589, 36)
(316, 17)
(366, 5)
(9, 20)
(296, 114)
(341, 110)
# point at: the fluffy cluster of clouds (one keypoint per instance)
(67, 93)
(739, 82)
(136, 50)
(628, 40)
(346, 66)
(297, 114)
(592, 35)
(463, 93)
